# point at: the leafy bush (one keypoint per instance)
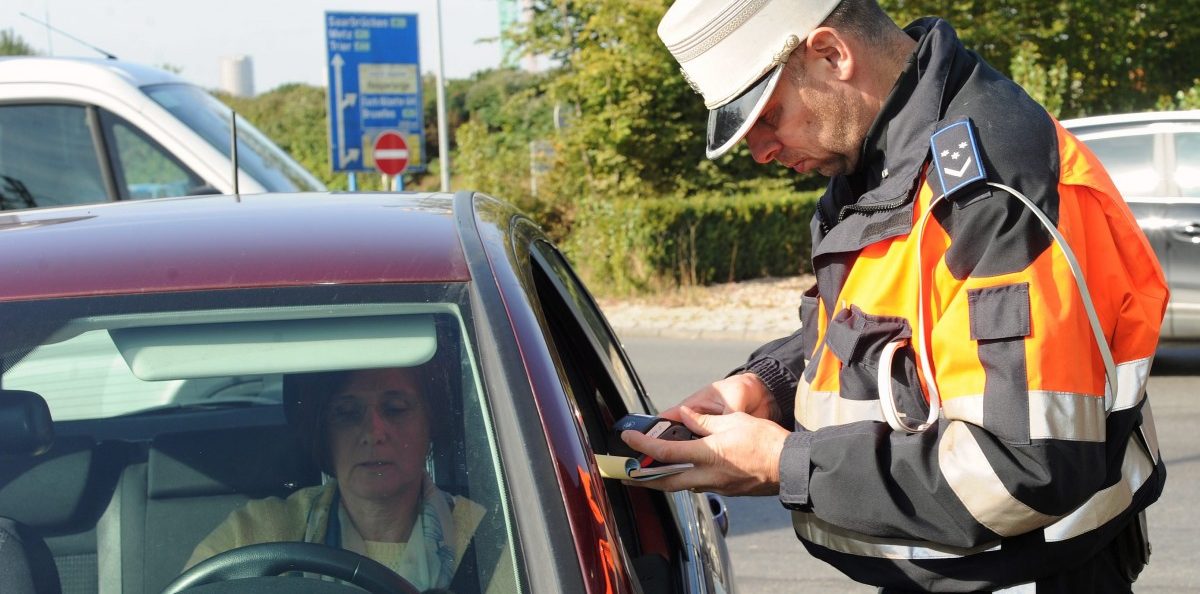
(1186, 99)
(637, 245)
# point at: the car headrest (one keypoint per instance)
(55, 491)
(253, 461)
(25, 425)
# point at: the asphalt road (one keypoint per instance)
(768, 558)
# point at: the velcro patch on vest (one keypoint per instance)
(956, 158)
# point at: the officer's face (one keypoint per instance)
(812, 122)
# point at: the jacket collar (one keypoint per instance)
(896, 147)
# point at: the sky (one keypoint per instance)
(284, 38)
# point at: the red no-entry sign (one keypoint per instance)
(391, 153)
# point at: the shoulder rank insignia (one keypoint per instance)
(955, 158)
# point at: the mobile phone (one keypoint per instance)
(651, 425)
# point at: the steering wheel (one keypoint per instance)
(275, 558)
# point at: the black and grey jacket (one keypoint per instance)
(1030, 463)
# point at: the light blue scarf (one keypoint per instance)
(427, 561)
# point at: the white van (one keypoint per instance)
(79, 130)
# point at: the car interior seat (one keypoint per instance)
(52, 488)
(189, 483)
(26, 431)
(26, 564)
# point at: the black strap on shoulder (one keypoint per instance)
(466, 576)
(474, 572)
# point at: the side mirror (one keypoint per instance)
(25, 425)
(720, 513)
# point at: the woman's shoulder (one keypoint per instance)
(273, 518)
(298, 502)
(463, 507)
(467, 516)
(261, 520)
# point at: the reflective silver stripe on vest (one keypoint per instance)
(1131, 382)
(1065, 415)
(1108, 503)
(1095, 512)
(1052, 415)
(819, 532)
(815, 410)
(1149, 433)
(977, 486)
(1018, 589)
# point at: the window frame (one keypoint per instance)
(1157, 162)
(106, 129)
(97, 141)
(1172, 160)
(647, 521)
(100, 125)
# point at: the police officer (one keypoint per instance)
(963, 408)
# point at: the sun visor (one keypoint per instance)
(278, 346)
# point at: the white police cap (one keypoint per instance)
(732, 52)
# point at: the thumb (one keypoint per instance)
(700, 424)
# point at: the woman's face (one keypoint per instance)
(379, 433)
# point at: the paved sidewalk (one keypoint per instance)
(757, 310)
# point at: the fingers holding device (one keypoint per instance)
(652, 426)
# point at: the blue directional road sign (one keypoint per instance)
(374, 87)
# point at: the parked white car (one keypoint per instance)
(79, 130)
(1154, 159)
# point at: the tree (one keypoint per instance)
(12, 44)
(615, 118)
(636, 128)
(1078, 57)
(456, 112)
(506, 112)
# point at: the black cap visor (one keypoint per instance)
(728, 123)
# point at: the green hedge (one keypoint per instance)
(632, 246)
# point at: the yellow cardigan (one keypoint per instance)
(285, 520)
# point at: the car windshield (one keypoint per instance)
(169, 412)
(257, 155)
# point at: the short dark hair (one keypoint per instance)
(861, 19)
(864, 19)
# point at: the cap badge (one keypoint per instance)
(789, 45)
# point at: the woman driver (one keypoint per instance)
(370, 429)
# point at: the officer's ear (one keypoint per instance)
(829, 53)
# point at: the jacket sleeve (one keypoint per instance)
(778, 364)
(1023, 438)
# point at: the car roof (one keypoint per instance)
(91, 72)
(219, 242)
(1096, 123)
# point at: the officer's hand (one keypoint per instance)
(736, 454)
(739, 393)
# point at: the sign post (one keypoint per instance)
(373, 62)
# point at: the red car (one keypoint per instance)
(145, 348)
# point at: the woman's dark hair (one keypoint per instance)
(306, 398)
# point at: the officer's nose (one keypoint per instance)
(762, 142)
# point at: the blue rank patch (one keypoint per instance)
(956, 158)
